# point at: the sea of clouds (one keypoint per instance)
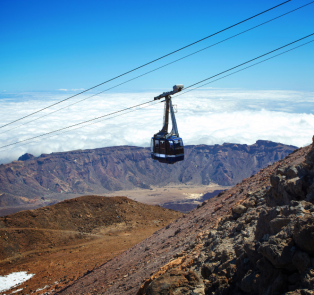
(208, 116)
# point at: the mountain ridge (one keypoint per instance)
(53, 177)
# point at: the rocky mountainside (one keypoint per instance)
(58, 175)
(256, 238)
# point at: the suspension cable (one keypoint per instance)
(79, 127)
(249, 61)
(184, 47)
(207, 47)
(184, 92)
(116, 112)
(181, 93)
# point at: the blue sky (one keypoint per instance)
(53, 49)
(51, 45)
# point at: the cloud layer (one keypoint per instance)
(210, 116)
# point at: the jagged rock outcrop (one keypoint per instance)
(26, 157)
(265, 246)
(115, 168)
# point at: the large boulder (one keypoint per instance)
(277, 224)
(280, 255)
(301, 260)
(304, 234)
(239, 209)
(171, 281)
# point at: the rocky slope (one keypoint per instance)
(41, 180)
(256, 238)
(61, 242)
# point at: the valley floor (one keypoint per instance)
(173, 193)
(158, 195)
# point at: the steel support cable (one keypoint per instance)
(184, 47)
(79, 123)
(193, 53)
(182, 93)
(250, 61)
(52, 135)
(153, 100)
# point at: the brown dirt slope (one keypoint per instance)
(38, 180)
(222, 247)
(61, 242)
(67, 221)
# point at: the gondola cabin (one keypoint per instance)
(167, 150)
(168, 147)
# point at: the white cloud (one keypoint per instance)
(211, 116)
(62, 89)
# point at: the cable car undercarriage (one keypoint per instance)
(168, 147)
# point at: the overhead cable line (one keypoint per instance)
(250, 60)
(116, 112)
(193, 53)
(52, 135)
(184, 92)
(184, 47)
(79, 123)
(156, 102)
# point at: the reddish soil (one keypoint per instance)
(61, 243)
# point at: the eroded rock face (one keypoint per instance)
(125, 167)
(304, 233)
(26, 157)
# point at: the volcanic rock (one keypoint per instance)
(301, 260)
(304, 233)
(239, 209)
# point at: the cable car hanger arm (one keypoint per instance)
(176, 89)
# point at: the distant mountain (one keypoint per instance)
(36, 179)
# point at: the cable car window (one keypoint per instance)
(177, 143)
(179, 147)
(170, 147)
(162, 147)
(156, 146)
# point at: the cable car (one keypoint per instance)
(168, 147)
